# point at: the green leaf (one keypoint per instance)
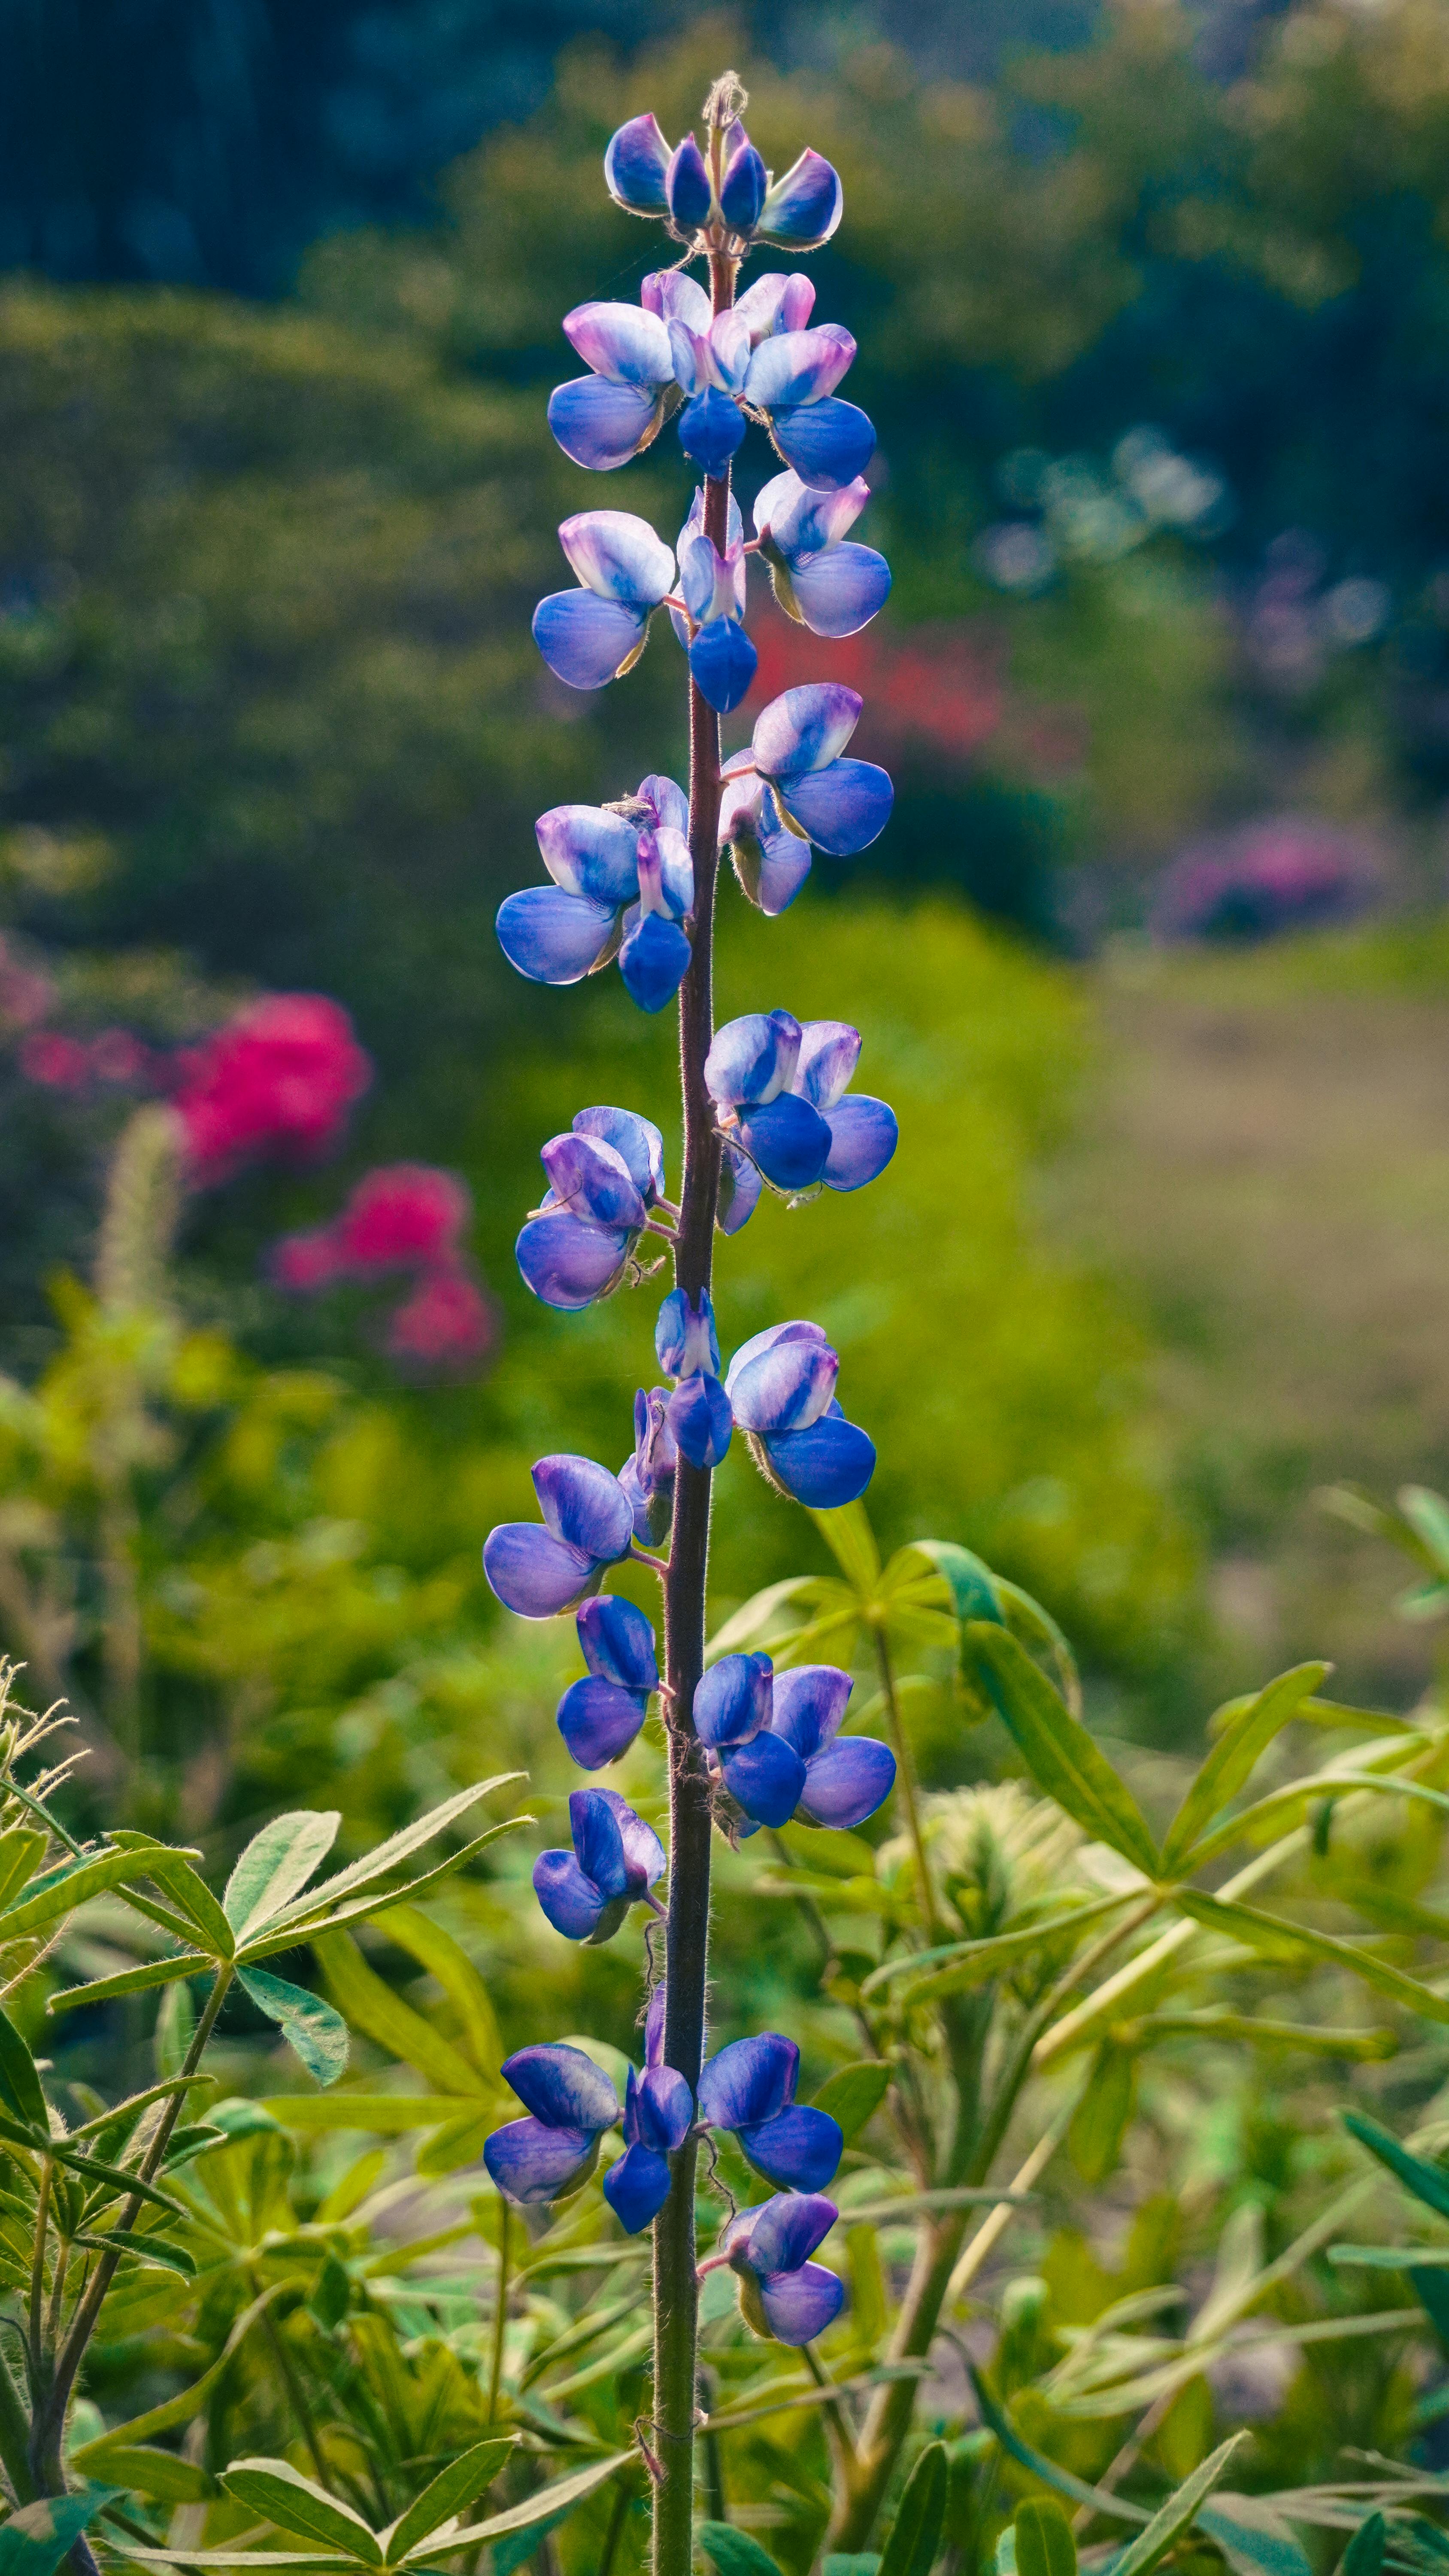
(145, 2249)
(1290, 1941)
(19, 2084)
(302, 1926)
(1102, 2114)
(458, 2142)
(1364, 2555)
(1050, 2472)
(451, 2492)
(969, 1581)
(20, 1848)
(379, 1866)
(276, 1865)
(445, 1959)
(759, 1616)
(131, 1981)
(282, 2562)
(1234, 1757)
(72, 1883)
(311, 2027)
(35, 2540)
(386, 2115)
(853, 2094)
(1180, 2511)
(851, 1540)
(1044, 2543)
(193, 1899)
(1432, 2292)
(1058, 1751)
(731, 2552)
(1425, 2181)
(1251, 2537)
(175, 2028)
(163, 2474)
(863, 2563)
(371, 2006)
(124, 2183)
(958, 1966)
(293, 2504)
(180, 2409)
(331, 2295)
(1256, 2030)
(1393, 1913)
(552, 2500)
(912, 2540)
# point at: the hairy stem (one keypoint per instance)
(676, 2291)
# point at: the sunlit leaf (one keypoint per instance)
(853, 2094)
(310, 2026)
(444, 1958)
(1233, 1757)
(1291, 1941)
(851, 1540)
(38, 2536)
(956, 1967)
(1425, 2181)
(130, 1981)
(276, 1866)
(371, 2006)
(549, 2501)
(463, 2480)
(1044, 2543)
(735, 2553)
(296, 2505)
(19, 2084)
(1058, 1751)
(380, 1865)
(1178, 2514)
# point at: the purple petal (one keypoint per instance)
(786, 2231)
(654, 959)
(829, 443)
(677, 298)
(769, 1340)
(787, 1386)
(732, 1700)
(600, 424)
(676, 871)
(668, 804)
(809, 1704)
(779, 301)
(749, 2081)
(722, 664)
(839, 591)
(562, 2087)
(637, 1139)
(665, 2109)
(654, 2029)
(863, 1135)
(742, 192)
(752, 1058)
(635, 166)
(798, 2306)
(804, 207)
(643, 1851)
(636, 2188)
(687, 187)
(805, 728)
(765, 1778)
(685, 1339)
(701, 1420)
(689, 350)
(798, 2148)
(740, 1186)
(618, 556)
(582, 1504)
(568, 1896)
(586, 641)
(787, 1138)
(804, 522)
(843, 807)
(569, 1262)
(532, 2162)
(533, 1572)
(794, 368)
(598, 1721)
(618, 1643)
(621, 341)
(598, 1841)
(847, 1782)
(589, 851)
(711, 427)
(729, 351)
(553, 937)
(829, 1053)
(829, 1463)
(590, 1176)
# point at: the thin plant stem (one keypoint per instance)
(37, 2273)
(906, 1780)
(500, 2309)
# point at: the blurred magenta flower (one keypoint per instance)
(409, 1217)
(402, 1216)
(278, 1079)
(1288, 872)
(446, 1324)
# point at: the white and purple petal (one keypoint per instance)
(635, 167)
(788, 1140)
(581, 1503)
(553, 937)
(643, 1852)
(803, 208)
(568, 1261)
(533, 1572)
(701, 1420)
(828, 1463)
(532, 2162)
(787, 1386)
(637, 1139)
(802, 521)
(667, 803)
(778, 301)
(740, 1188)
(677, 298)
(829, 1053)
(839, 591)
(844, 806)
(828, 443)
(586, 641)
(618, 556)
(752, 1058)
(796, 368)
(805, 728)
(654, 956)
(685, 1337)
(591, 1176)
(808, 1706)
(589, 851)
(847, 1782)
(622, 341)
(562, 2087)
(600, 424)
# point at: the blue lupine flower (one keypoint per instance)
(648, 1476)
(763, 1773)
(587, 1525)
(593, 635)
(658, 2113)
(616, 1859)
(791, 380)
(605, 1179)
(800, 210)
(779, 1086)
(687, 1345)
(598, 857)
(722, 659)
(784, 2297)
(781, 1387)
(603, 419)
(553, 2152)
(749, 2088)
(831, 587)
(791, 788)
(600, 1716)
(846, 1777)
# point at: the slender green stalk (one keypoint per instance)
(906, 1783)
(500, 2308)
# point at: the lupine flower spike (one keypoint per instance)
(605, 1180)
(600, 1716)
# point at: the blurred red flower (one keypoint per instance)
(278, 1079)
(446, 1323)
(402, 1216)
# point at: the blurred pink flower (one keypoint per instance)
(403, 1216)
(278, 1079)
(60, 1063)
(446, 1323)
(25, 994)
(1285, 873)
(303, 1264)
(117, 1056)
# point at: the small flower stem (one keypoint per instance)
(676, 2289)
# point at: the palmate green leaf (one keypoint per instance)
(131, 1981)
(959, 1966)
(851, 1540)
(193, 1899)
(1058, 1751)
(362, 1876)
(276, 1866)
(310, 2027)
(550, 2501)
(1044, 2543)
(305, 2511)
(445, 1959)
(37, 2537)
(1290, 1942)
(912, 2540)
(1232, 1759)
(735, 2553)
(853, 2094)
(1180, 2511)
(1425, 2181)
(372, 2007)
(451, 2492)
(19, 2084)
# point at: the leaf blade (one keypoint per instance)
(1058, 1751)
